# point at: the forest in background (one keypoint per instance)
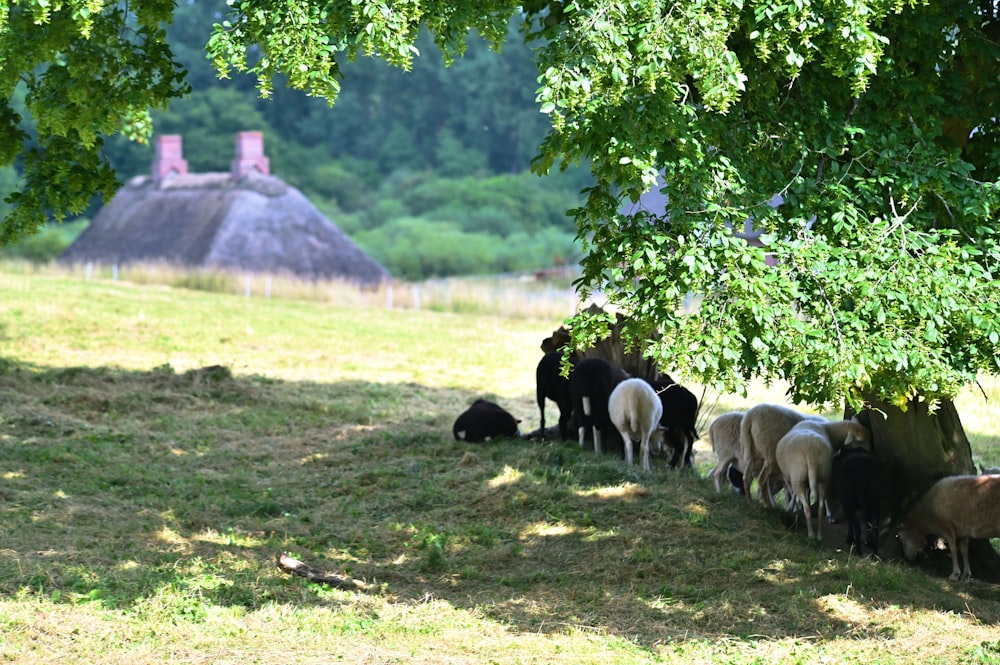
(428, 170)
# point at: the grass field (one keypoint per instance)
(162, 446)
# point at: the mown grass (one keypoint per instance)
(162, 446)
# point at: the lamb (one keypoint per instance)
(635, 410)
(680, 413)
(724, 435)
(957, 508)
(805, 457)
(761, 429)
(483, 421)
(551, 384)
(591, 384)
(858, 478)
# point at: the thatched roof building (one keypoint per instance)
(245, 220)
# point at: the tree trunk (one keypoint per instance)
(917, 448)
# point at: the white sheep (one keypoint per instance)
(760, 430)
(724, 435)
(635, 410)
(805, 458)
(957, 508)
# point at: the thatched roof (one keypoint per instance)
(257, 223)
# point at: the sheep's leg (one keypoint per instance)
(802, 492)
(644, 449)
(659, 441)
(541, 415)
(748, 478)
(627, 442)
(853, 533)
(598, 448)
(956, 572)
(584, 420)
(686, 456)
(820, 502)
(564, 417)
(764, 485)
(872, 520)
(963, 545)
(720, 468)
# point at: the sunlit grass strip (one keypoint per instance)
(515, 296)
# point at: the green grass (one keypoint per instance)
(161, 447)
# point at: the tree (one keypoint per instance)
(860, 139)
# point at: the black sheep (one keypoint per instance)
(483, 421)
(735, 477)
(591, 384)
(680, 414)
(858, 478)
(551, 384)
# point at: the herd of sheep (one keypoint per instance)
(769, 447)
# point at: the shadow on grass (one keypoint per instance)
(164, 493)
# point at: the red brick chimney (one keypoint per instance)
(249, 155)
(169, 157)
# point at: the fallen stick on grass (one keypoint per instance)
(293, 566)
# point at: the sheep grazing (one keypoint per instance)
(551, 384)
(761, 429)
(858, 478)
(483, 421)
(957, 508)
(680, 413)
(805, 457)
(635, 410)
(724, 435)
(591, 384)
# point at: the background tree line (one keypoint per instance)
(427, 170)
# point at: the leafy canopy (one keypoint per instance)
(872, 123)
(72, 73)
